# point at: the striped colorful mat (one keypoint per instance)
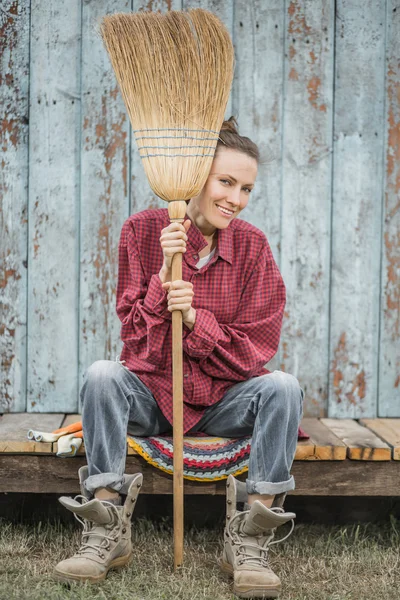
(204, 458)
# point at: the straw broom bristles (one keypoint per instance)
(175, 72)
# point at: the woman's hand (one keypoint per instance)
(180, 297)
(173, 239)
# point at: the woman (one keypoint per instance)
(232, 299)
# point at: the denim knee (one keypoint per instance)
(288, 393)
(102, 369)
(98, 377)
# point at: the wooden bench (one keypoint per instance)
(343, 457)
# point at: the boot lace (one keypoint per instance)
(88, 548)
(262, 559)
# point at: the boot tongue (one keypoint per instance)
(260, 518)
(94, 510)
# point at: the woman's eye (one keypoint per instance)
(247, 190)
(225, 180)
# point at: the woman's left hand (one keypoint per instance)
(180, 297)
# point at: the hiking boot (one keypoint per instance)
(248, 536)
(106, 538)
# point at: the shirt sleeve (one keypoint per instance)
(141, 306)
(239, 350)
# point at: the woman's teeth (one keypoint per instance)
(226, 212)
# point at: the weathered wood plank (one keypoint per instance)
(306, 196)
(305, 450)
(105, 154)
(388, 430)
(14, 93)
(356, 219)
(39, 474)
(61, 475)
(142, 196)
(258, 35)
(389, 359)
(70, 419)
(327, 446)
(361, 443)
(14, 429)
(54, 127)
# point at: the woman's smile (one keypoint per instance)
(225, 211)
(226, 192)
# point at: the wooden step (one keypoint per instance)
(322, 445)
(361, 442)
(330, 439)
(388, 430)
(343, 457)
(14, 429)
(41, 473)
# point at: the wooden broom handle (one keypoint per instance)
(177, 212)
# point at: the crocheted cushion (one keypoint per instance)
(204, 458)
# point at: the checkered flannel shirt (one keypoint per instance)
(239, 297)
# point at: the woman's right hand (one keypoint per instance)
(173, 239)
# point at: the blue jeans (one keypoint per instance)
(115, 402)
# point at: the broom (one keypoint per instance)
(175, 72)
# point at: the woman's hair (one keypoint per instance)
(229, 138)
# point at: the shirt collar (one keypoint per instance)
(224, 240)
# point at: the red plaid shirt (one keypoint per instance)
(239, 297)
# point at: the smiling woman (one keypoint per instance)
(226, 192)
(232, 304)
(228, 186)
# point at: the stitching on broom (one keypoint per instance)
(173, 155)
(178, 129)
(172, 147)
(174, 137)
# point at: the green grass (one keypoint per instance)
(358, 562)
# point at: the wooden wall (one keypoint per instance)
(317, 86)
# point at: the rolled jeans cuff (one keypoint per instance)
(102, 480)
(266, 487)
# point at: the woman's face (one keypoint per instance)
(228, 185)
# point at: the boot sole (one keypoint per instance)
(117, 563)
(253, 592)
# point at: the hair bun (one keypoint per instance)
(230, 125)
(229, 137)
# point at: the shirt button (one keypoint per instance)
(186, 375)
(195, 256)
